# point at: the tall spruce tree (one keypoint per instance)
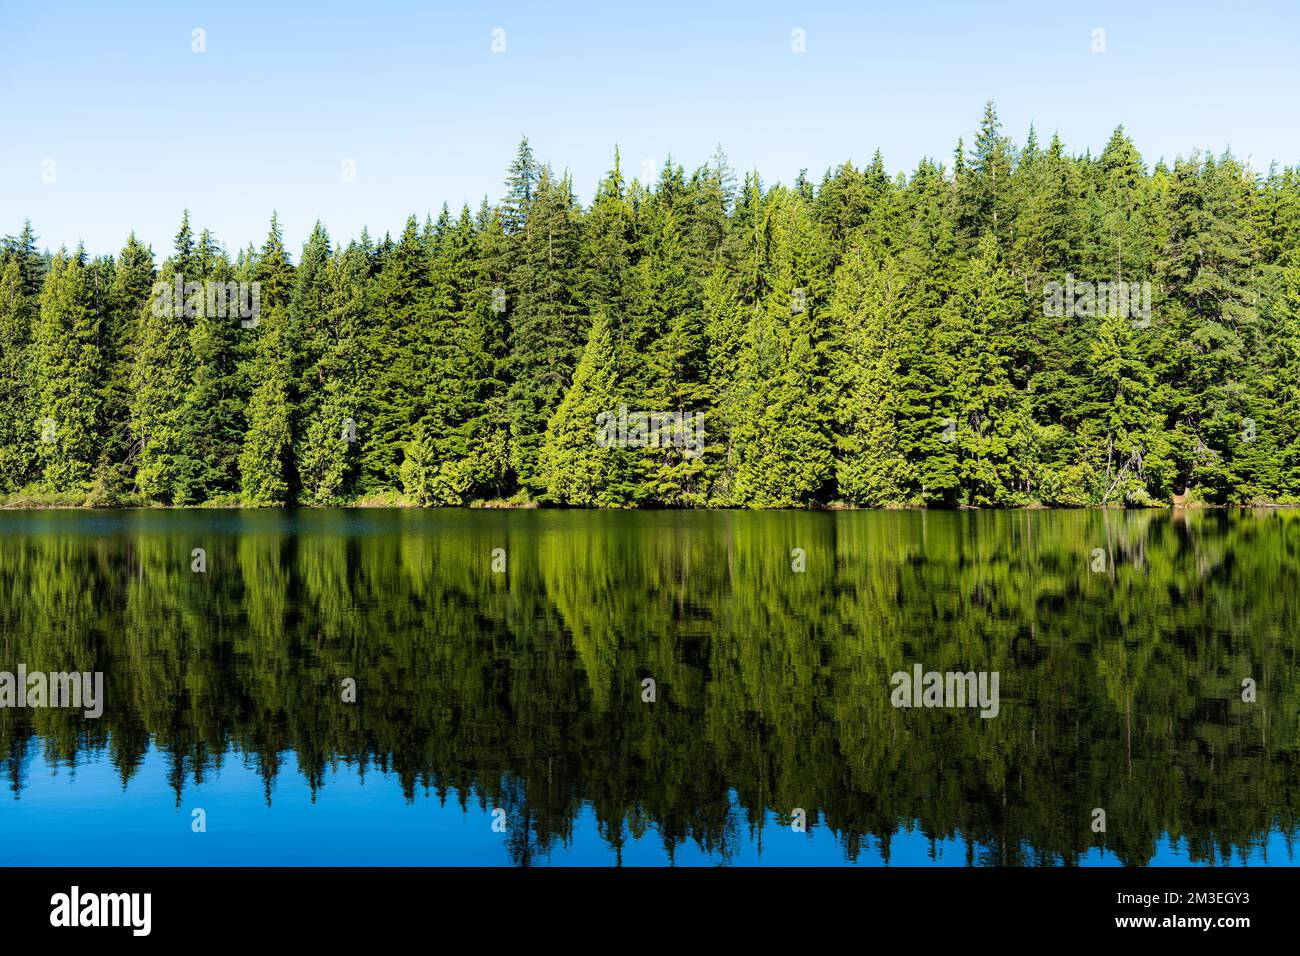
(213, 419)
(265, 460)
(394, 364)
(577, 468)
(161, 372)
(547, 328)
(128, 295)
(328, 455)
(872, 468)
(68, 365)
(18, 431)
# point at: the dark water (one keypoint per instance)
(1120, 686)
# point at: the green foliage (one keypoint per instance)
(546, 321)
(160, 377)
(576, 467)
(327, 440)
(393, 360)
(866, 312)
(132, 282)
(67, 373)
(868, 340)
(264, 462)
(18, 432)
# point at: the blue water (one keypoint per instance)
(82, 816)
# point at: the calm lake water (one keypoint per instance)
(1121, 641)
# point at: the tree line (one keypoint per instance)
(865, 340)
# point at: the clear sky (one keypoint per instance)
(138, 126)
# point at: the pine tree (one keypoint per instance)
(453, 347)
(984, 182)
(547, 329)
(724, 334)
(129, 294)
(68, 366)
(1211, 317)
(32, 265)
(782, 437)
(867, 310)
(665, 354)
(784, 441)
(986, 425)
(419, 470)
(575, 467)
(486, 333)
(162, 370)
(328, 456)
(310, 307)
(607, 246)
(521, 184)
(1119, 412)
(213, 414)
(1287, 326)
(265, 460)
(394, 367)
(18, 428)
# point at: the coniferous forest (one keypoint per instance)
(860, 339)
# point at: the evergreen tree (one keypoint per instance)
(132, 285)
(575, 467)
(32, 265)
(394, 366)
(68, 365)
(986, 425)
(984, 182)
(872, 468)
(328, 457)
(213, 423)
(486, 334)
(521, 184)
(265, 460)
(547, 330)
(161, 372)
(18, 429)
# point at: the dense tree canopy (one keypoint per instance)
(1025, 326)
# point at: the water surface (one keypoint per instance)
(1121, 640)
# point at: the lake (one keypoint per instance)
(457, 687)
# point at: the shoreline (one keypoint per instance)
(539, 506)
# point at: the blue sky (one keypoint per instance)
(139, 126)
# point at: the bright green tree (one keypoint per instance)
(68, 365)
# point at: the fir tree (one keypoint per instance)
(575, 467)
(18, 429)
(395, 368)
(160, 376)
(546, 323)
(68, 366)
(265, 460)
